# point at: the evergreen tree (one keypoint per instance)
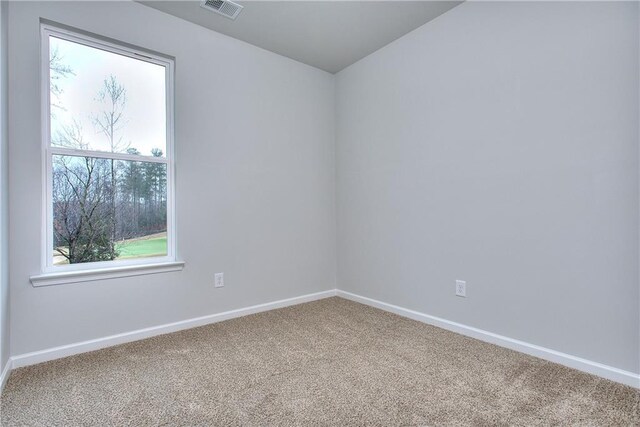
(131, 191)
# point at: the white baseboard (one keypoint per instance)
(99, 343)
(608, 372)
(4, 375)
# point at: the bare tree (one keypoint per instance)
(82, 225)
(109, 122)
(71, 136)
(57, 71)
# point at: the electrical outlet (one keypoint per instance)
(219, 280)
(461, 288)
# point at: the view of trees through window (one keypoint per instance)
(106, 207)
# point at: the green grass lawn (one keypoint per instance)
(156, 246)
(141, 247)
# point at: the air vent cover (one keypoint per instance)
(224, 7)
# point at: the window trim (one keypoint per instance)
(64, 277)
(71, 273)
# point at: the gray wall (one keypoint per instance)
(4, 193)
(255, 180)
(498, 144)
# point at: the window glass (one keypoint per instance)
(113, 102)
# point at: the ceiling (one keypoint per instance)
(329, 35)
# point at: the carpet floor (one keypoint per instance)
(329, 362)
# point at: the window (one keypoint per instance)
(108, 155)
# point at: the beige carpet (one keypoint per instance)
(330, 362)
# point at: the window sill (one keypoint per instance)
(48, 279)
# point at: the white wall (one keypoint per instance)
(498, 144)
(4, 193)
(255, 180)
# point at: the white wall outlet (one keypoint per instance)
(219, 280)
(461, 288)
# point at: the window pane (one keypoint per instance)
(104, 101)
(108, 209)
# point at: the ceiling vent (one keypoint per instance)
(224, 7)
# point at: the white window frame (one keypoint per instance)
(117, 268)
